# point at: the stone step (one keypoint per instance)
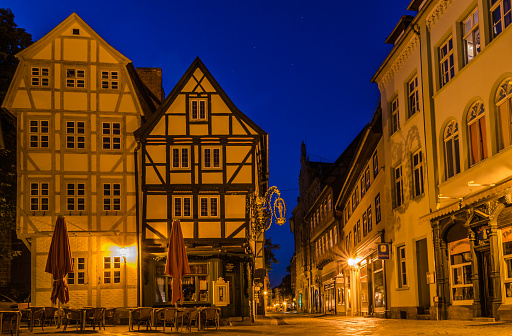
(484, 319)
(423, 316)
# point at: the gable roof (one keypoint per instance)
(147, 127)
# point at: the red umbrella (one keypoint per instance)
(177, 262)
(59, 261)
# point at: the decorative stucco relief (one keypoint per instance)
(399, 61)
(437, 13)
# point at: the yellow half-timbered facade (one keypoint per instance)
(77, 104)
(202, 160)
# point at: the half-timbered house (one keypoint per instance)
(202, 160)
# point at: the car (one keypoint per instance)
(7, 303)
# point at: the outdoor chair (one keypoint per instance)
(50, 315)
(110, 316)
(211, 315)
(10, 322)
(191, 317)
(166, 316)
(94, 316)
(72, 316)
(31, 316)
(141, 316)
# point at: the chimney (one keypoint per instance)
(152, 78)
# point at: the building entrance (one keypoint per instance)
(486, 285)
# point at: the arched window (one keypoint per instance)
(503, 109)
(476, 133)
(451, 149)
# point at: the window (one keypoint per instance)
(503, 109)
(180, 157)
(367, 177)
(39, 196)
(110, 80)
(363, 186)
(350, 238)
(75, 134)
(112, 270)
(369, 215)
(330, 238)
(335, 235)
(365, 225)
(39, 132)
(375, 160)
(112, 196)
(379, 292)
(395, 122)
(358, 225)
(507, 259)
(446, 61)
(211, 157)
(355, 235)
(460, 270)
(111, 135)
(75, 78)
(476, 131)
(76, 31)
(399, 186)
(377, 209)
(413, 94)
(354, 203)
(77, 277)
(451, 149)
(195, 285)
(402, 267)
(417, 173)
(75, 196)
(198, 109)
(39, 76)
(501, 16)
(209, 206)
(182, 206)
(471, 38)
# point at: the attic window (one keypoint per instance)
(76, 31)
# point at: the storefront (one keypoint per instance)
(329, 297)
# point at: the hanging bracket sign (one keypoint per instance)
(383, 251)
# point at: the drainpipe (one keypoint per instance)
(137, 223)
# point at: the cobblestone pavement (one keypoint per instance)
(317, 325)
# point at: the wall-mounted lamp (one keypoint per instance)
(473, 184)
(440, 196)
(123, 251)
(353, 261)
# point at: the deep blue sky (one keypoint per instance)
(299, 69)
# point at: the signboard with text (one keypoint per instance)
(383, 251)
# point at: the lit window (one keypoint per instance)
(111, 135)
(503, 108)
(39, 196)
(402, 267)
(507, 256)
(413, 94)
(399, 186)
(417, 172)
(476, 131)
(501, 16)
(198, 109)
(110, 80)
(75, 134)
(75, 196)
(451, 149)
(460, 270)
(39, 76)
(39, 133)
(111, 196)
(471, 38)
(75, 78)
(112, 270)
(446, 61)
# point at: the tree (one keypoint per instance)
(270, 257)
(12, 41)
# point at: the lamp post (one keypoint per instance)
(354, 283)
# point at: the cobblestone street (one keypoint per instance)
(318, 325)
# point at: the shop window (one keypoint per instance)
(195, 285)
(507, 258)
(460, 270)
(378, 284)
(364, 286)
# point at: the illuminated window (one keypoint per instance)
(413, 95)
(75, 78)
(451, 149)
(198, 109)
(111, 270)
(111, 135)
(39, 196)
(501, 16)
(75, 134)
(476, 132)
(77, 277)
(417, 172)
(507, 259)
(110, 80)
(402, 267)
(460, 270)
(446, 61)
(471, 38)
(503, 110)
(182, 206)
(75, 196)
(180, 157)
(111, 196)
(211, 157)
(39, 76)
(39, 134)
(399, 186)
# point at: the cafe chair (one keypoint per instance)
(94, 316)
(211, 315)
(110, 316)
(50, 315)
(141, 316)
(192, 317)
(166, 317)
(72, 316)
(31, 316)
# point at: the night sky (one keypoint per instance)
(299, 69)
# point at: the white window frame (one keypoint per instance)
(413, 97)
(109, 79)
(398, 179)
(446, 61)
(503, 103)
(75, 134)
(498, 26)
(112, 270)
(76, 192)
(459, 267)
(79, 274)
(111, 135)
(198, 109)
(112, 196)
(451, 141)
(75, 78)
(507, 263)
(471, 36)
(40, 76)
(378, 214)
(401, 258)
(369, 224)
(39, 133)
(179, 208)
(39, 199)
(183, 155)
(212, 208)
(476, 118)
(212, 157)
(395, 115)
(375, 162)
(417, 173)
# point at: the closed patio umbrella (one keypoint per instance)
(59, 262)
(177, 262)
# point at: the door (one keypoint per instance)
(422, 270)
(486, 287)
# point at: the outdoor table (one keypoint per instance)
(10, 312)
